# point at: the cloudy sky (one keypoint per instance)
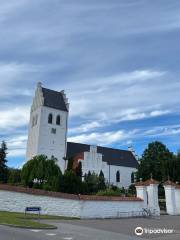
(118, 62)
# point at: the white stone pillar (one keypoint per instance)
(153, 202)
(141, 192)
(170, 198)
(177, 199)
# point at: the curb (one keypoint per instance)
(17, 226)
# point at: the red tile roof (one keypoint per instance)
(147, 182)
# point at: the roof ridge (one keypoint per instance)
(52, 90)
(101, 146)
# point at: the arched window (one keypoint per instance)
(50, 118)
(132, 177)
(36, 119)
(58, 120)
(117, 176)
(33, 121)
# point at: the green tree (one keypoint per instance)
(70, 164)
(41, 172)
(92, 181)
(101, 181)
(71, 183)
(79, 170)
(3, 161)
(14, 176)
(154, 161)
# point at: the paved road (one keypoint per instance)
(127, 226)
(117, 229)
(65, 231)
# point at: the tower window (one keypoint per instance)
(58, 120)
(117, 176)
(50, 118)
(132, 177)
(33, 120)
(36, 119)
(53, 130)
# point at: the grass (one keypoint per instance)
(28, 221)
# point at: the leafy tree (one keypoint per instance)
(14, 176)
(41, 172)
(92, 181)
(71, 183)
(154, 161)
(132, 189)
(3, 161)
(70, 164)
(79, 170)
(101, 181)
(173, 169)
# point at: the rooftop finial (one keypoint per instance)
(39, 85)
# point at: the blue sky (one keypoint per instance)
(118, 62)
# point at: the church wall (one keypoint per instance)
(50, 143)
(33, 136)
(17, 202)
(93, 162)
(125, 175)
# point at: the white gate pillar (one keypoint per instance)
(170, 197)
(153, 201)
(141, 192)
(148, 191)
(177, 199)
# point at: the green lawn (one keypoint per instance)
(28, 221)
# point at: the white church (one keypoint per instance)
(48, 129)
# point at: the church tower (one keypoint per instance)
(48, 125)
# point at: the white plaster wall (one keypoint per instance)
(17, 202)
(110, 209)
(93, 162)
(153, 203)
(141, 192)
(177, 200)
(49, 143)
(170, 199)
(125, 175)
(42, 141)
(33, 135)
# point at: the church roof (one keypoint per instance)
(112, 156)
(54, 99)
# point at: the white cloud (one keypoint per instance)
(14, 118)
(104, 138)
(126, 136)
(86, 127)
(16, 145)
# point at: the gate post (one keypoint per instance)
(141, 192)
(170, 197)
(153, 202)
(177, 199)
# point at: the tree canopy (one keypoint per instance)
(158, 161)
(3, 161)
(42, 172)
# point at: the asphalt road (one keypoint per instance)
(109, 229)
(64, 232)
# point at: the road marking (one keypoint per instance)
(35, 230)
(67, 238)
(51, 234)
